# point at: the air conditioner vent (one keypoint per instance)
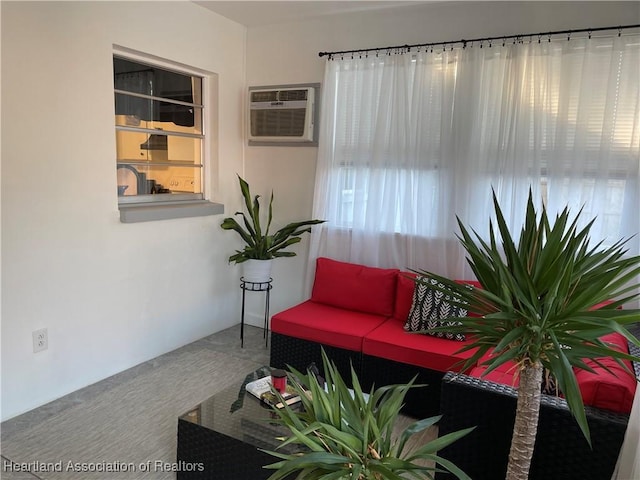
(281, 115)
(291, 95)
(278, 123)
(264, 96)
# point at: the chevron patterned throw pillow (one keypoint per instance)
(431, 308)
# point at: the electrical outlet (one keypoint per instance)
(40, 340)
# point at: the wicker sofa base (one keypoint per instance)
(299, 354)
(560, 452)
(419, 403)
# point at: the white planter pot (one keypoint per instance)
(257, 271)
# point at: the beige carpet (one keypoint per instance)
(134, 422)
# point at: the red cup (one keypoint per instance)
(279, 380)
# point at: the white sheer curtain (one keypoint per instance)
(410, 141)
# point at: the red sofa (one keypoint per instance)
(357, 314)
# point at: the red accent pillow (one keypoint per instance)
(355, 287)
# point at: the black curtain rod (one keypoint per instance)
(485, 39)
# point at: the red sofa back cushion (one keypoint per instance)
(355, 287)
(612, 391)
(404, 295)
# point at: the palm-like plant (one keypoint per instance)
(262, 245)
(537, 309)
(349, 434)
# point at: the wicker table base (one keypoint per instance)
(219, 439)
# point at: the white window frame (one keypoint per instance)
(154, 207)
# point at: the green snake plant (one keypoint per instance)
(537, 309)
(259, 244)
(349, 434)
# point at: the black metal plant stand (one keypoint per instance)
(248, 286)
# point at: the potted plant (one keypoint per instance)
(348, 434)
(261, 247)
(537, 310)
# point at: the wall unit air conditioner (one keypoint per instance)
(281, 115)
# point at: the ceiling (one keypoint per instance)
(255, 13)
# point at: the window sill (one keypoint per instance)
(152, 212)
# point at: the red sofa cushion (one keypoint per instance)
(325, 324)
(611, 391)
(355, 287)
(390, 341)
(504, 374)
(404, 295)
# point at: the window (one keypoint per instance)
(412, 142)
(160, 134)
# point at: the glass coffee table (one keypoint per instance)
(219, 438)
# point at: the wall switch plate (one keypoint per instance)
(40, 340)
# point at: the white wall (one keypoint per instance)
(288, 53)
(111, 295)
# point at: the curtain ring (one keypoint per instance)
(619, 32)
(539, 37)
(589, 34)
(568, 36)
(549, 38)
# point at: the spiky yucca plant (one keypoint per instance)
(262, 245)
(348, 435)
(537, 309)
